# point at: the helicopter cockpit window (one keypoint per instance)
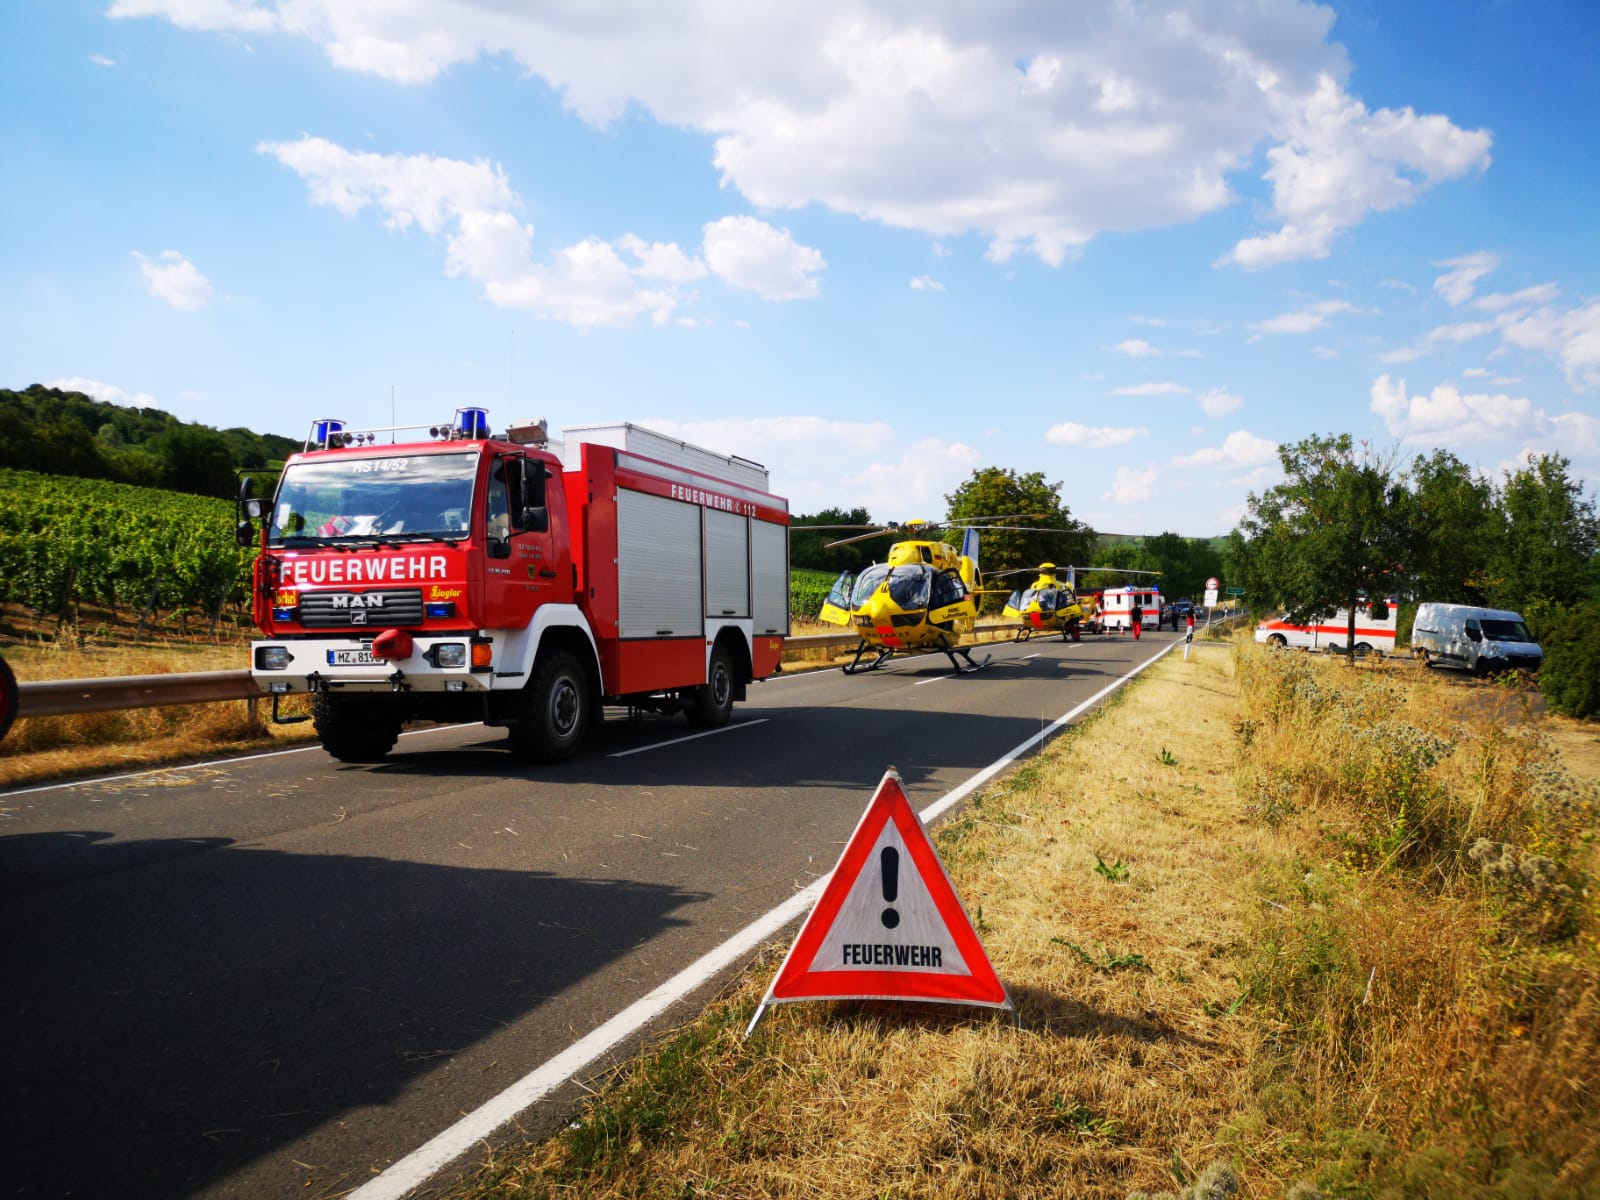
(947, 589)
(868, 582)
(909, 587)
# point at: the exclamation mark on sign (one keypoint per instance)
(889, 860)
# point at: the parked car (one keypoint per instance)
(1480, 640)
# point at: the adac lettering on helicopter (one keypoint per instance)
(888, 925)
(378, 568)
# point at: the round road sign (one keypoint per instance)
(1211, 585)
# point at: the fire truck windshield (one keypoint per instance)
(393, 497)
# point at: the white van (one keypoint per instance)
(1374, 633)
(1480, 640)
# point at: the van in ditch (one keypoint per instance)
(1480, 640)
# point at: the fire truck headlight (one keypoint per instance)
(450, 654)
(272, 658)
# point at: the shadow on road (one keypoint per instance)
(164, 1027)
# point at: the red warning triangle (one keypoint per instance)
(888, 925)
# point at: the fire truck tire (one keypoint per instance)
(354, 731)
(712, 703)
(553, 713)
(8, 697)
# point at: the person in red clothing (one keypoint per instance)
(1136, 617)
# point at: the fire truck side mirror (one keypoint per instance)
(535, 520)
(244, 533)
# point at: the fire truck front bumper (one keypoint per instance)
(447, 663)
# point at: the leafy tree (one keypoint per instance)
(1547, 550)
(1570, 676)
(1332, 534)
(196, 459)
(993, 491)
(809, 548)
(1185, 563)
(1455, 530)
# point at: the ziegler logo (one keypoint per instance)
(356, 600)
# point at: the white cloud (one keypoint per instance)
(1034, 125)
(100, 60)
(110, 393)
(926, 283)
(1457, 285)
(1239, 449)
(1133, 485)
(1573, 337)
(1070, 433)
(1218, 402)
(1543, 293)
(662, 260)
(176, 280)
(1447, 416)
(1136, 348)
(472, 206)
(751, 254)
(1306, 319)
(1151, 389)
(914, 486)
(1340, 162)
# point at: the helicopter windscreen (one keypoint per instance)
(868, 582)
(909, 586)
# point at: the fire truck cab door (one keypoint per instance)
(519, 556)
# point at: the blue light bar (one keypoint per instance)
(440, 608)
(472, 422)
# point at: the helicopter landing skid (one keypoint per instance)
(971, 666)
(854, 667)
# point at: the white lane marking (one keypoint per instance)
(689, 737)
(423, 1163)
(214, 762)
(935, 679)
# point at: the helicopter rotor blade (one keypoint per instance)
(860, 537)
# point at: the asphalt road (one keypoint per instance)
(276, 976)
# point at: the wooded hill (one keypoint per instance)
(68, 433)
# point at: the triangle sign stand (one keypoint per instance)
(888, 925)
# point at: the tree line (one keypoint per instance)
(68, 433)
(1051, 535)
(1350, 522)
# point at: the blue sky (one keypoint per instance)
(1133, 246)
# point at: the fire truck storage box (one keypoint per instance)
(635, 439)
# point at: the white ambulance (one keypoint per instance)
(1375, 629)
(1117, 604)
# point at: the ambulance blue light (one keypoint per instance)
(472, 422)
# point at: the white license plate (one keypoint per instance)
(352, 658)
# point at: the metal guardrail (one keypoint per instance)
(64, 697)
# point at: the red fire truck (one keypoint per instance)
(448, 574)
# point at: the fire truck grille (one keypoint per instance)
(344, 610)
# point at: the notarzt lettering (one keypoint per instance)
(885, 954)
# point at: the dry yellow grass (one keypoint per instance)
(40, 749)
(1216, 969)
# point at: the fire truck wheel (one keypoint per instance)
(354, 731)
(553, 715)
(8, 697)
(712, 704)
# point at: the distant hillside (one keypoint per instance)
(68, 433)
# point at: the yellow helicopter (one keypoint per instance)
(1051, 605)
(923, 600)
